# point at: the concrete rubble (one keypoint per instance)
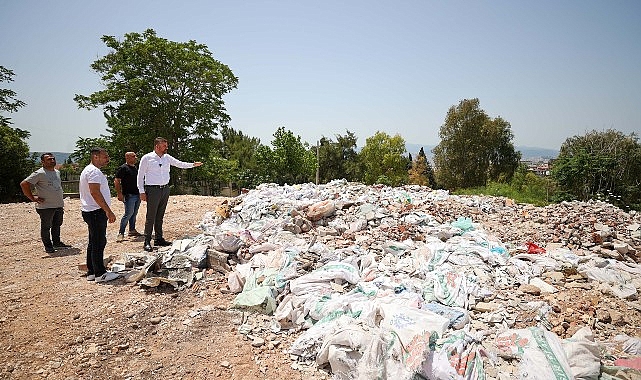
(378, 282)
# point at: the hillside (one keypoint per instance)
(527, 152)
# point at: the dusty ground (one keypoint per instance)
(54, 324)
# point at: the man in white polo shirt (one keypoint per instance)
(153, 185)
(95, 202)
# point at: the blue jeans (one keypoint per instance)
(132, 203)
(97, 227)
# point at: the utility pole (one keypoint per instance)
(317, 162)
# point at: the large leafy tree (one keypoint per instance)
(15, 160)
(338, 159)
(231, 159)
(603, 164)
(156, 87)
(81, 155)
(474, 148)
(384, 160)
(8, 100)
(289, 160)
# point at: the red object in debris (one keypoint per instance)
(533, 248)
(629, 363)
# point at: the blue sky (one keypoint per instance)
(552, 69)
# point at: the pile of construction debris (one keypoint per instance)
(381, 282)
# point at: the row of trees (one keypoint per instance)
(156, 87)
(15, 160)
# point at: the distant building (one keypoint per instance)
(541, 167)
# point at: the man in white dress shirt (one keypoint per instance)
(153, 185)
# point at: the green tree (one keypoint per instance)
(338, 159)
(474, 148)
(81, 155)
(383, 158)
(15, 161)
(8, 100)
(156, 87)
(421, 172)
(288, 161)
(239, 147)
(601, 165)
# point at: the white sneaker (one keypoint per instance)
(120, 238)
(91, 277)
(107, 276)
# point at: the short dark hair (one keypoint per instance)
(97, 150)
(159, 140)
(42, 156)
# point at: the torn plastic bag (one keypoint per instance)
(464, 224)
(533, 248)
(359, 352)
(458, 317)
(453, 289)
(318, 280)
(584, 355)
(227, 242)
(408, 323)
(540, 352)
(629, 345)
(258, 296)
(458, 356)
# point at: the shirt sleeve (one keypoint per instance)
(120, 172)
(142, 168)
(179, 164)
(33, 178)
(95, 176)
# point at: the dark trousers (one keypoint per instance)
(50, 222)
(157, 199)
(97, 226)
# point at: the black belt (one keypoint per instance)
(157, 186)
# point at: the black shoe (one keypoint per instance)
(50, 250)
(162, 243)
(61, 245)
(147, 247)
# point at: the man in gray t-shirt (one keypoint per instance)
(49, 203)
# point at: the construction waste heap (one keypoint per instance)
(374, 282)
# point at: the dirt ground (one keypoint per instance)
(54, 324)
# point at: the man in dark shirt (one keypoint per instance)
(127, 190)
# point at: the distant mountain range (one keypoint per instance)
(527, 152)
(61, 157)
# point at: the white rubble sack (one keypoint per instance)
(540, 352)
(583, 355)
